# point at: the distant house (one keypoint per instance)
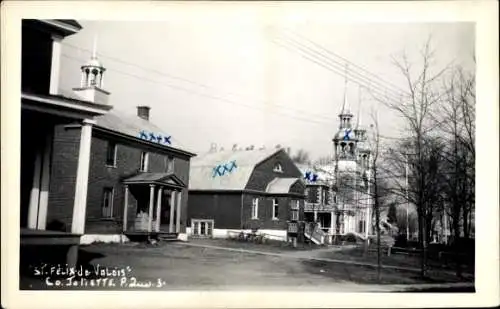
(233, 191)
(320, 204)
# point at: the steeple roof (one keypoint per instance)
(346, 108)
(94, 62)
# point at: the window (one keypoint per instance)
(361, 226)
(278, 168)
(111, 154)
(107, 203)
(324, 196)
(202, 227)
(169, 164)
(275, 208)
(255, 208)
(294, 205)
(144, 161)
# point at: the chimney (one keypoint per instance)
(143, 112)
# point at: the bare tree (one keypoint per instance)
(455, 120)
(415, 106)
(301, 157)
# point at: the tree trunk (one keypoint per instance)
(377, 224)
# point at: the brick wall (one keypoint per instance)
(66, 147)
(224, 208)
(63, 178)
(265, 220)
(128, 158)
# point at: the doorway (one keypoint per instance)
(202, 228)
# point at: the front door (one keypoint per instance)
(165, 211)
(202, 228)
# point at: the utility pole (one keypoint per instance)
(407, 201)
(367, 221)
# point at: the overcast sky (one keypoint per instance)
(230, 81)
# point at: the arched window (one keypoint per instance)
(278, 168)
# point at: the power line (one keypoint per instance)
(309, 120)
(329, 66)
(195, 82)
(351, 64)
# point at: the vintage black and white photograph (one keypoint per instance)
(247, 153)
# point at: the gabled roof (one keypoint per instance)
(281, 185)
(155, 178)
(132, 126)
(203, 175)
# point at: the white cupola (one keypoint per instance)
(92, 80)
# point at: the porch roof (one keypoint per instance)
(281, 185)
(169, 179)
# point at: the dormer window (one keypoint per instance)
(278, 168)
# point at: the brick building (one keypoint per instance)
(233, 191)
(123, 174)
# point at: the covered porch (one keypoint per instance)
(53, 240)
(152, 206)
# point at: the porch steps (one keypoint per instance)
(168, 236)
(145, 236)
(315, 234)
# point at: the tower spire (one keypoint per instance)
(358, 117)
(94, 48)
(345, 103)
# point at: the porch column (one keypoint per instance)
(151, 205)
(35, 193)
(82, 177)
(158, 209)
(367, 221)
(178, 217)
(56, 62)
(172, 208)
(125, 209)
(315, 215)
(45, 183)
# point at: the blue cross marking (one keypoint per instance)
(311, 177)
(159, 138)
(152, 137)
(143, 135)
(346, 134)
(221, 169)
(218, 170)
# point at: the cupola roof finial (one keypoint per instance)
(345, 104)
(358, 119)
(94, 48)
